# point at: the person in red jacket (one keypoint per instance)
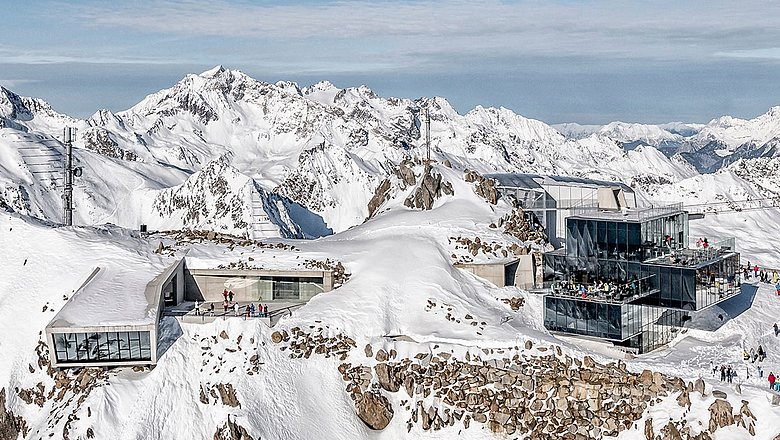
(771, 380)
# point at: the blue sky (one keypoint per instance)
(586, 61)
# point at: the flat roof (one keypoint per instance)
(114, 296)
(636, 214)
(691, 258)
(535, 181)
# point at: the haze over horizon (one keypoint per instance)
(590, 62)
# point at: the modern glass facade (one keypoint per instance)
(628, 277)
(264, 288)
(102, 347)
(613, 321)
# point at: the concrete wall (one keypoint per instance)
(525, 277)
(246, 285)
(491, 272)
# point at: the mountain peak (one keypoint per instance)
(214, 71)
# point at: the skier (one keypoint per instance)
(771, 380)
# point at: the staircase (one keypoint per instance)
(261, 226)
(41, 154)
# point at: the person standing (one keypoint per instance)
(235, 309)
(761, 354)
(225, 294)
(226, 305)
(771, 380)
(197, 308)
(252, 309)
(755, 271)
(230, 296)
(211, 309)
(265, 310)
(775, 326)
(722, 373)
(777, 290)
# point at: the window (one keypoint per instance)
(102, 347)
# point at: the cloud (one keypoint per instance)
(769, 53)
(667, 30)
(13, 83)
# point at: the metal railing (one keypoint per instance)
(636, 214)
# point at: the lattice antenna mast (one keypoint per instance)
(69, 136)
(427, 134)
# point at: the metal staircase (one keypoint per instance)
(261, 226)
(41, 154)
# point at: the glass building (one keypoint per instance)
(628, 277)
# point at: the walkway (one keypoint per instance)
(185, 312)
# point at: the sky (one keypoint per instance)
(585, 61)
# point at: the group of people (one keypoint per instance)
(763, 275)
(727, 374)
(755, 355)
(252, 311)
(702, 243)
(600, 288)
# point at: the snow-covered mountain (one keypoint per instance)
(224, 152)
(321, 147)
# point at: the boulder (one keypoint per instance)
(721, 414)
(374, 410)
(386, 378)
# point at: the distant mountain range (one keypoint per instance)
(224, 151)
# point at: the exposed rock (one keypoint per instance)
(698, 386)
(380, 196)
(369, 351)
(386, 377)
(431, 187)
(11, 426)
(232, 431)
(228, 395)
(223, 334)
(719, 394)
(485, 188)
(374, 410)
(720, 414)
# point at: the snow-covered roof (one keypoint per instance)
(113, 295)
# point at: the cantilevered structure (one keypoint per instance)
(627, 276)
(113, 318)
(551, 198)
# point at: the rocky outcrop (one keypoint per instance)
(381, 194)
(485, 188)
(431, 188)
(373, 409)
(232, 431)
(406, 174)
(721, 414)
(519, 226)
(303, 344)
(228, 395)
(11, 426)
